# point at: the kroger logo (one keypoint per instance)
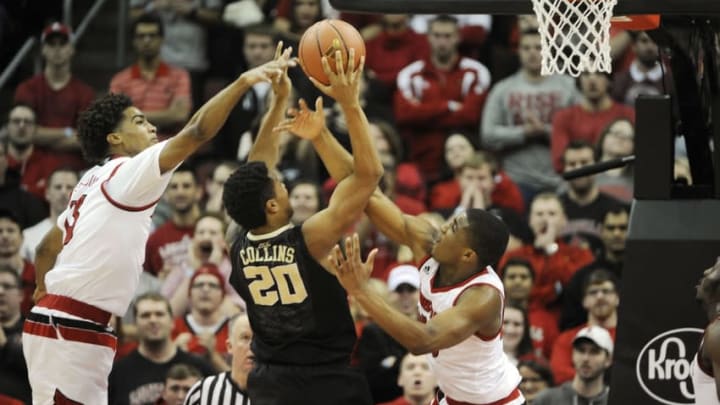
(663, 366)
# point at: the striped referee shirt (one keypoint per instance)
(217, 389)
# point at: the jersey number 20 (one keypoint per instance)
(272, 284)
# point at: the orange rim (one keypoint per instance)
(640, 22)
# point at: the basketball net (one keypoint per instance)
(575, 35)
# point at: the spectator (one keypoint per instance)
(57, 97)
(586, 119)
(33, 164)
(305, 200)
(437, 95)
(395, 47)
(517, 120)
(600, 299)
(536, 378)
(231, 385)
(204, 330)
(160, 90)
(13, 371)
(592, 349)
(60, 185)
(10, 242)
(518, 277)
(416, 380)
(617, 140)
(168, 246)
(302, 14)
(517, 344)
(583, 202)
(214, 186)
(377, 353)
(554, 261)
(185, 41)
(462, 159)
(29, 209)
(613, 235)
(178, 381)
(473, 29)
(139, 378)
(646, 75)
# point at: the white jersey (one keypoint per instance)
(475, 370)
(703, 383)
(105, 229)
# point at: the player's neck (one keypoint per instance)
(449, 274)
(160, 352)
(273, 223)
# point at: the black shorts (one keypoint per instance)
(270, 384)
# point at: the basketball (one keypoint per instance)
(324, 38)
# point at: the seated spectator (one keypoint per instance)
(416, 380)
(517, 344)
(178, 381)
(646, 74)
(160, 90)
(614, 236)
(231, 385)
(33, 164)
(586, 119)
(518, 277)
(601, 300)
(299, 15)
(214, 186)
(139, 378)
(395, 47)
(57, 97)
(536, 378)
(458, 153)
(305, 200)
(60, 185)
(474, 29)
(204, 329)
(553, 260)
(28, 209)
(10, 256)
(617, 141)
(592, 349)
(13, 370)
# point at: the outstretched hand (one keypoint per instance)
(349, 269)
(304, 122)
(282, 86)
(344, 85)
(273, 70)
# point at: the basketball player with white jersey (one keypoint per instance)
(705, 368)
(461, 296)
(89, 264)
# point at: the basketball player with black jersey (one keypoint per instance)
(705, 368)
(461, 296)
(303, 331)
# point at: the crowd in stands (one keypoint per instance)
(461, 118)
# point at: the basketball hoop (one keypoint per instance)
(575, 34)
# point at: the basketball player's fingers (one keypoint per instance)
(356, 246)
(292, 112)
(339, 63)
(326, 67)
(349, 249)
(351, 60)
(371, 259)
(319, 104)
(302, 104)
(339, 259)
(325, 89)
(278, 50)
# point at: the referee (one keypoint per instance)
(228, 388)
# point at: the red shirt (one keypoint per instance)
(576, 123)
(561, 359)
(194, 346)
(388, 54)
(34, 172)
(447, 195)
(543, 331)
(168, 244)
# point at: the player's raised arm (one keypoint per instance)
(208, 120)
(405, 229)
(477, 310)
(323, 229)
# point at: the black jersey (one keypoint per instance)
(298, 311)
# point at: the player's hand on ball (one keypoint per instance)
(344, 85)
(352, 273)
(304, 122)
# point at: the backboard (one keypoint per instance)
(624, 7)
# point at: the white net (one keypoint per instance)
(575, 35)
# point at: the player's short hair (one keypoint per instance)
(518, 261)
(182, 371)
(599, 276)
(151, 296)
(246, 192)
(95, 123)
(487, 235)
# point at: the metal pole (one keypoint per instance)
(67, 12)
(86, 21)
(19, 56)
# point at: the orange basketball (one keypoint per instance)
(324, 38)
